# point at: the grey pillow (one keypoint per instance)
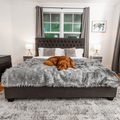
(49, 52)
(70, 52)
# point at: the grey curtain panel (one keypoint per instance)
(85, 29)
(39, 22)
(116, 56)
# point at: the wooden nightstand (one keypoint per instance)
(5, 62)
(27, 57)
(96, 57)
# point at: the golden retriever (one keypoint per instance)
(62, 62)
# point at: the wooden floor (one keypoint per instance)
(2, 88)
(119, 78)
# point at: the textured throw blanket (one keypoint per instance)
(89, 73)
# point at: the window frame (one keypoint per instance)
(62, 12)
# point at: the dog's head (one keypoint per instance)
(63, 64)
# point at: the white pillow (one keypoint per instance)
(79, 53)
(59, 52)
(40, 50)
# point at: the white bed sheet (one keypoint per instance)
(46, 57)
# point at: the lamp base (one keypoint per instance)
(29, 52)
(96, 53)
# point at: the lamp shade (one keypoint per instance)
(97, 47)
(29, 46)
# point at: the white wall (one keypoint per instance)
(23, 24)
(114, 29)
(103, 12)
(23, 27)
(6, 43)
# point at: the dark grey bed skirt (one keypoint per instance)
(59, 92)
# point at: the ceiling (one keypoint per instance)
(72, 1)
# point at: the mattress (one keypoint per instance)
(33, 72)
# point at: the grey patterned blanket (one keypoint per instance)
(89, 73)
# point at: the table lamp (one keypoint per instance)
(29, 47)
(97, 47)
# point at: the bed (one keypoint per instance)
(31, 92)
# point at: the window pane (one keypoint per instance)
(80, 27)
(71, 35)
(55, 17)
(48, 35)
(46, 26)
(78, 18)
(55, 27)
(77, 28)
(81, 17)
(67, 27)
(46, 17)
(67, 17)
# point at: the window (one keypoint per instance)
(51, 25)
(72, 25)
(62, 24)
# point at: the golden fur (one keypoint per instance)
(62, 62)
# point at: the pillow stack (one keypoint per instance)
(70, 52)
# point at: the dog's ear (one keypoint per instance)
(72, 63)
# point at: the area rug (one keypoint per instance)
(60, 109)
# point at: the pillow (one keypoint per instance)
(59, 52)
(70, 52)
(49, 52)
(79, 53)
(40, 50)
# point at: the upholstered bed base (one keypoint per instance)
(59, 92)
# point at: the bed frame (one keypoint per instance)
(12, 93)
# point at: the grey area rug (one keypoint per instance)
(60, 109)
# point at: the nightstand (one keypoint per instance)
(96, 57)
(5, 62)
(27, 57)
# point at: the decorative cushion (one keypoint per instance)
(49, 52)
(79, 52)
(40, 50)
(59, 52)
(70, 52)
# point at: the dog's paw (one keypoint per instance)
(74, 67)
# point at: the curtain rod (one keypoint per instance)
(60, 7)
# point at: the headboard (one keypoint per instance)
(58, 43)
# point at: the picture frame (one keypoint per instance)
(99, 26)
